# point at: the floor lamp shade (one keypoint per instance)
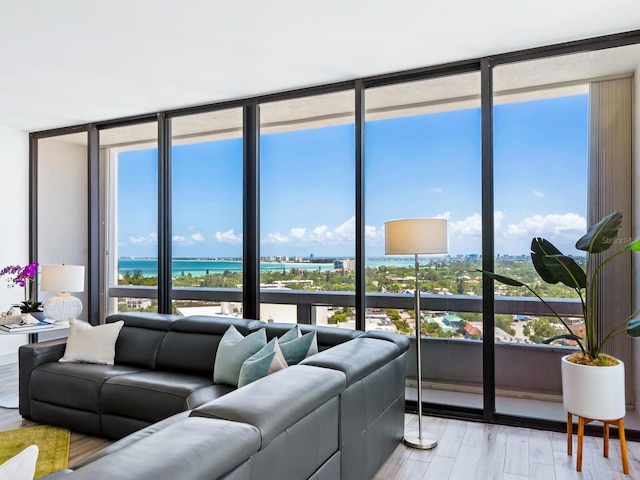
(62, 279)
(415, 236)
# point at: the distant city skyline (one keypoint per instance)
(418, 166)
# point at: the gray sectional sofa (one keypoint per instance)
(337, 414)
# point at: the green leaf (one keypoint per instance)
(635, 246)
(539, 249)
(633, 327)
(566, 270)
(566, 336)
(503, 279)
(602, 235)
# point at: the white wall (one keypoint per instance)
(62, 206)
(14, 226)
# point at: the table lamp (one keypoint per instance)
(62, 279)
(417, 236)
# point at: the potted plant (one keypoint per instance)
(592, 381)
(24, 277)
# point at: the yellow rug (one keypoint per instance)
(52, 442)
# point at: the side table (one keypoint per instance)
(11, 400)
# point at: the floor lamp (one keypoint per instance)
(417, 236)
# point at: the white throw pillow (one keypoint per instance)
(22, 466)
(90, 344)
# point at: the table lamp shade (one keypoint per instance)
(415, 236)
(62, 278)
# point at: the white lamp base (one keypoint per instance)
(62, 307)
(427, 441)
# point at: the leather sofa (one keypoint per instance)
(338, 414)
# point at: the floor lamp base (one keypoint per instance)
(425, 443)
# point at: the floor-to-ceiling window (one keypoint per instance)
(207, 208)
(548, 128)
(129, 157)
(423, 160)
(307, 204)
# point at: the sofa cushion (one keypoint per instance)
(193, 448)
(73, 385)
(267, 360)
(232, 352)
(152, 395)
(132, 438)
(90, 344)
(140, 338)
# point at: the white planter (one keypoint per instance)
(593, 392)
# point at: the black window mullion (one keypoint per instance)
(488, 308)
(360, 287)
(251, 207)
(164, 214)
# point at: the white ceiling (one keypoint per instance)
(67, 62)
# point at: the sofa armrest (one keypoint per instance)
(274, 403)
(29, 357)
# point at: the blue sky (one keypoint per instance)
(419, 166)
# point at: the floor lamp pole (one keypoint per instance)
(421, 441)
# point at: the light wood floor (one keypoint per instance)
(466, 450)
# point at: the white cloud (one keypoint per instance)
(276, 237)
(298, 232)
(568, 225)
(471, 226)
(229, 237)
(150, 239)
(538, 193)
(373, 233)
(180, 240)
(343, 233)
(437, 190)
(346, 231)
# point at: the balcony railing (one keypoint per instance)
(306, 300)
(521, 369)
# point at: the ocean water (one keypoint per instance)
(197, 267)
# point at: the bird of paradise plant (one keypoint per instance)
(554, 267)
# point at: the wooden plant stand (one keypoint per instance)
(581, 423)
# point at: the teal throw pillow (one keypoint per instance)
(232, 352)
(265, 362)
(289, 335)
(302, 347)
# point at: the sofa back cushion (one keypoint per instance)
(192, 343)
(140, 338)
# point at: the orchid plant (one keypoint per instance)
(24, 277)
(553, 267)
